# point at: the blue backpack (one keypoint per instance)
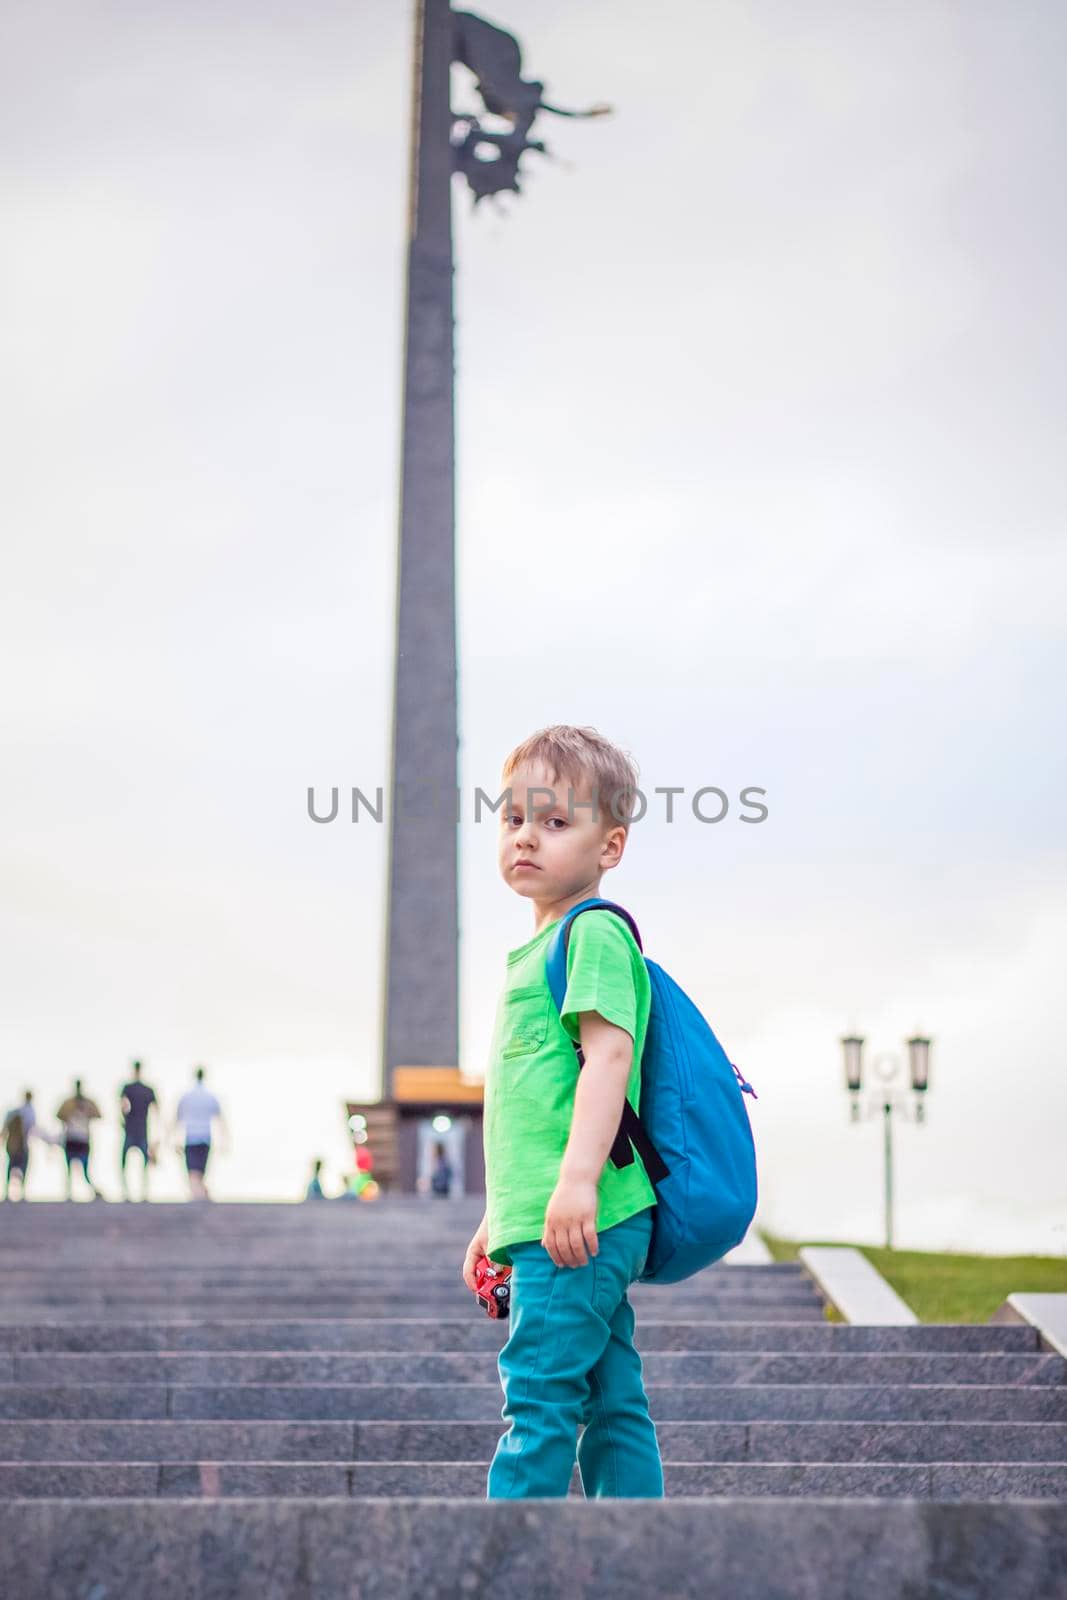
(692, 1134)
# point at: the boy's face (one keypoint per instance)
(547, 853)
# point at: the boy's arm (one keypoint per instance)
(570, 1218)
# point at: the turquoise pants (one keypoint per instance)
(570, 1362)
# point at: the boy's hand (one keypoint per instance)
(570, 1222)
(475, 1251)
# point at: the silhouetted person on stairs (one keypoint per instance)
(77, 1114)
(198, 1110)
(137, 1100)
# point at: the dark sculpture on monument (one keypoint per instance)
(490, 160)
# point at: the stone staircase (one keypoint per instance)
(204, 1357)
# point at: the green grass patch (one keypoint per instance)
(951, 1288)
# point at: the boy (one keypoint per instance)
(574, 1227)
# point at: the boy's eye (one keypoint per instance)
(561, 820)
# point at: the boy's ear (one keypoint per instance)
(614, 845)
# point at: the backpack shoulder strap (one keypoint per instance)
(631, 1130)
(556, 958)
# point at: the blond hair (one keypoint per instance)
(583, 754)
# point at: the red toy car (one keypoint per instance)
(494, 1290)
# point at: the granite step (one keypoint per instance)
(476, 1332)
(235, 1213)
(305, 1549)
(660, 1367)
(336, 1259)
(209, 1480)
(460, 1402)
(60, 1292)
(180, 1440)
(164, 1281)
(225, 1217)
(386, 1310)
(356, 1263)
(434, 1257)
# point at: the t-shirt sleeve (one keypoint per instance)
(600, 972)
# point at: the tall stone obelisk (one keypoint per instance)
(421, 987)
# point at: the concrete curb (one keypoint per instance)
(855, 1287)
(1045, 1312)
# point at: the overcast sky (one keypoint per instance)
(761, 385)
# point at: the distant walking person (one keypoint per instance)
(136, 1101)
(441, 1178)
(77, 1114)
(197, 1110)
(315, 1190)
(18, 1125)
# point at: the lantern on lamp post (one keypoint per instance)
(886, 1099)
(853, 1048)
(919, 1066)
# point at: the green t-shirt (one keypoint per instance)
(533, 1072)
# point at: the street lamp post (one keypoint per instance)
(885, 1099)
